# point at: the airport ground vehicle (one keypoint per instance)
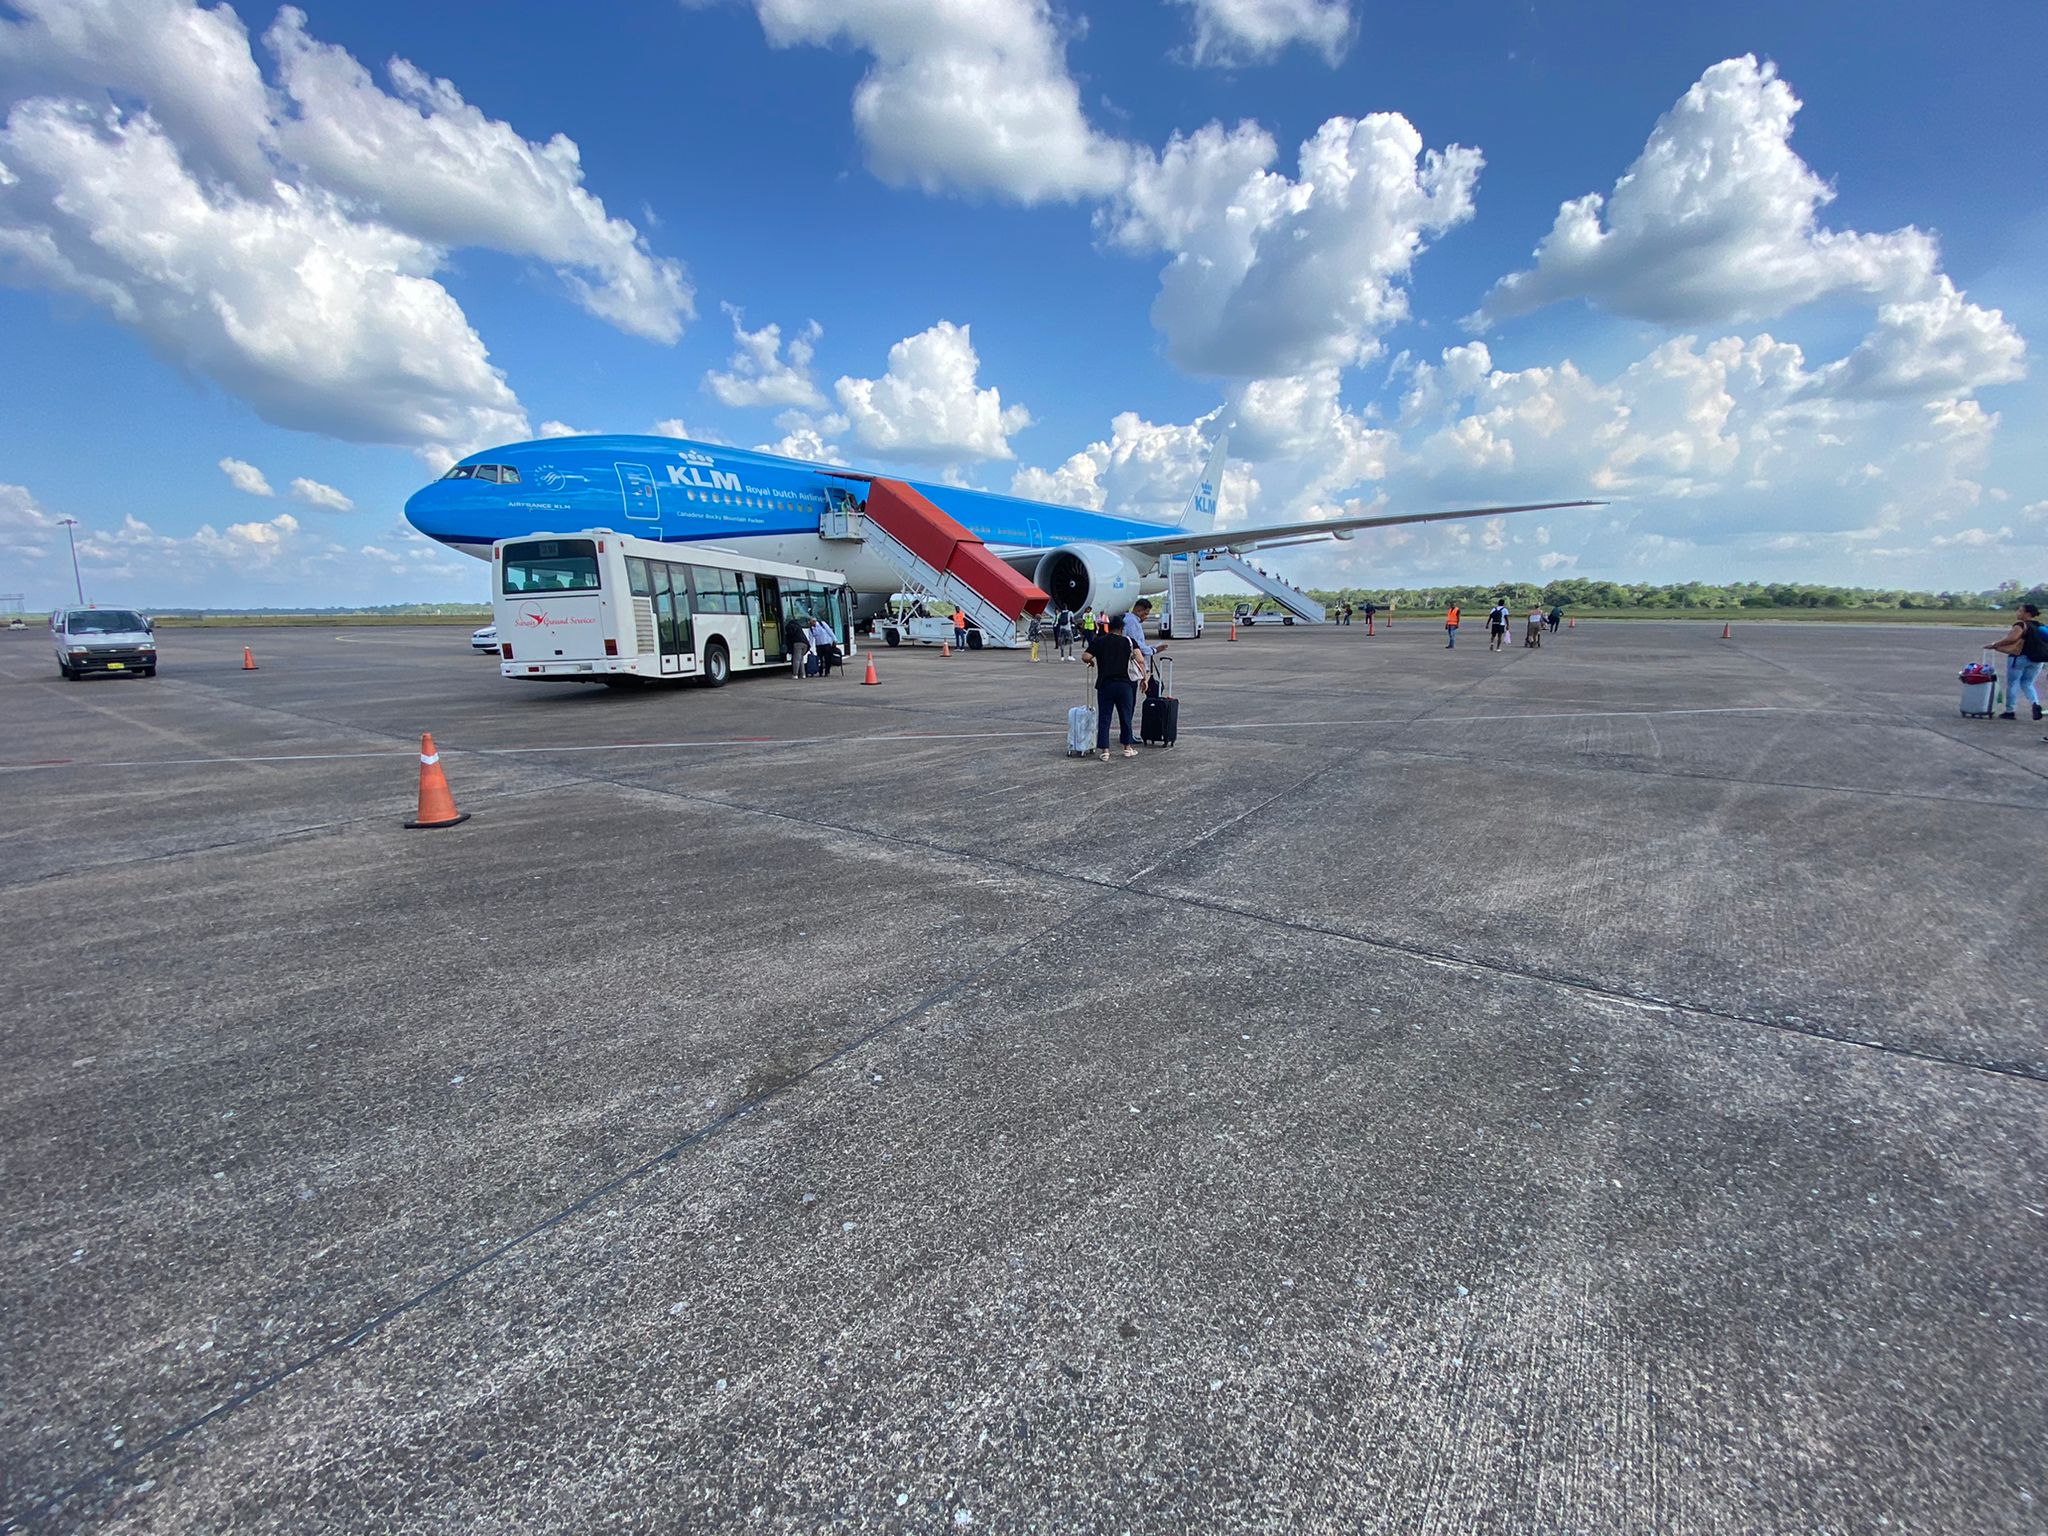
(1261, 613)
(602, 607)
(909, 622)
(112, 640)
(485, 639)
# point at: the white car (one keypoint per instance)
(105, 640)
(485, 640)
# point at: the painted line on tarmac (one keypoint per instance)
(39, 764)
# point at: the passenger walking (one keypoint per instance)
(799, 631)
(1450, 627)
(1556, 617)
(1115, 660)
(1533, 636)
(1063, 634)
(959, 630)
(1497, 627)
(2024, 648)
(1371, 608)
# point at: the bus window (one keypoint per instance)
(638, 579)
(550, 565)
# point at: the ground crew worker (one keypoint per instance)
(959, 629)
(1450, 628)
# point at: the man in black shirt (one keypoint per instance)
(1109, 653)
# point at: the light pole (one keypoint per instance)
(69, 524)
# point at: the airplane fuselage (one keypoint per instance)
(758, 504)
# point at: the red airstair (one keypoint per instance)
(941, 561)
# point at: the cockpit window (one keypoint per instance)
(507, 475)
(461, 472)
(496, 474)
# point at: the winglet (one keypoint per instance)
(1199, 516)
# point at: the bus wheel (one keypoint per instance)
(717, 665)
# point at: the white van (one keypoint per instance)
(103, 640)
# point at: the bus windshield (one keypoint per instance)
(550, 565)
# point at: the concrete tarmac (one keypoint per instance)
(1597, 1089)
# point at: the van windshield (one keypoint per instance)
(105, 621)
(550, 565)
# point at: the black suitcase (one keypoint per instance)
(1159, 715)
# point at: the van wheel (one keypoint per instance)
(717, 665)
(64, 671)
(148, 671)
(892, 637)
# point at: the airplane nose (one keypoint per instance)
(426, 509)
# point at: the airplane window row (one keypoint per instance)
(496, 474)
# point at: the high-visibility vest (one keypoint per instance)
(1452, 617)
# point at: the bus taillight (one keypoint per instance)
(505, 649)
(611, 647)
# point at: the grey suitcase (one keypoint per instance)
(1081, 722)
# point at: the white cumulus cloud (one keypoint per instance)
(1716, 221)
(928, 406)
(326, 497)
(438, 168)
(246, 477)
(1142, 469)
(760, 373)
(963, 95)
(1273, 276)
(1235, 32)
(1939, 345)
(285, 242)
(191, 63)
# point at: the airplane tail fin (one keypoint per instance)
(1199, 516)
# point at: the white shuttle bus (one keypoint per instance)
(600, 607)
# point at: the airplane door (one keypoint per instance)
(1035, 533)
(636, 491)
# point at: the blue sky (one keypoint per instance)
(262, 271)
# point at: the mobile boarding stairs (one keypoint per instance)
(934, 557)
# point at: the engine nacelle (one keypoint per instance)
(1081, 576)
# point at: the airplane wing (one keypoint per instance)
(1178, 541)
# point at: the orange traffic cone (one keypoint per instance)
(1233, 629)
(1727, 632)
(249, 660)
(870, 681)
(945, 647)
(437, 806)
(1572, 622)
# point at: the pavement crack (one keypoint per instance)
(368, 1328)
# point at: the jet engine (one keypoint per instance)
(1087, 575)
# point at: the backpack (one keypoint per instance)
(2034, 643)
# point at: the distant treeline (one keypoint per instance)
(1621, 596)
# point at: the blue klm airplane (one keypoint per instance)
(763, 505)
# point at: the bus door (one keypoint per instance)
(769, 601)
(672, 615)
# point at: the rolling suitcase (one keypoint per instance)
(1159, 715)
(1081, 723)
(1980, 687)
